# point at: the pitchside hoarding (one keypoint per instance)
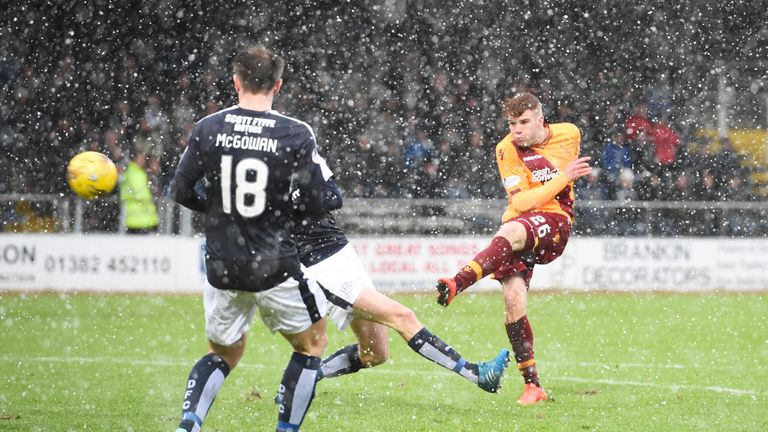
(67, 262)
(605, 264)
(70, 262)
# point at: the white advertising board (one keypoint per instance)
(605, 264)
(68, 262)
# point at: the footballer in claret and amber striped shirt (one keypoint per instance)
(527, 168)
(538, 163)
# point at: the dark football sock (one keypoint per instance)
(297, 388)
(203, 384)
(433, 348)
(521, 337)
(342, 362)
(484, 263)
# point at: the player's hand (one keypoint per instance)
(578, 168)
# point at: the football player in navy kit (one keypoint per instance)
(249, 157)
(333, 262)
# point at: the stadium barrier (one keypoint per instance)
(398, 216)
(174, 264)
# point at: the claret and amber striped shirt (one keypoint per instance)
(534, 177)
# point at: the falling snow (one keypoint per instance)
(404, 96)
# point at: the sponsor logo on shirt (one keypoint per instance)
(544, 174)
(511, 181)
(533, 157)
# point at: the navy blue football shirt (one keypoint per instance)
(250, 161)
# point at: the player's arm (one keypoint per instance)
(188, 172)
(332, 198)
(310, 181)
(523, 198)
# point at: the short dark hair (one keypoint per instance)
(516, 105)
(258, 68)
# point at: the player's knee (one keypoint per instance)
(515, 234)
(231, 354)
(312, 344)
(375, 357)
(319, 341)
(404, 318)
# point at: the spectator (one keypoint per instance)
(680, 216)
(644, 153)
(666, 142)
(359, 169)
(616, 156)
(738, 222)
(391, 172)
(651, 187)
(637, 123)
(708, 218)
(591, 188)
(706, 187)
(129, 76)
(625, 218)
(474, 160)
(728, 162)
(681, 190)
(417, 152)
(592, 220)
(418, 149)
(137, 198)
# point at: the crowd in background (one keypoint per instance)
(403, 96)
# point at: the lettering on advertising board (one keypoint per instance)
(643, 277)
(17, 263)
(645, 265)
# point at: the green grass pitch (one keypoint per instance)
(618, 362)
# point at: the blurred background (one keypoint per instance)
(670, 97)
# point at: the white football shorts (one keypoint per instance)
(289, 308)
(344, 277)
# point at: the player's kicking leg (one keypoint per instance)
(373, 306)
(521, 337)
(511, 237)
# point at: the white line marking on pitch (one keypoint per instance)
(673, 387)
(384, 370)
(58, 359)
(609, 365)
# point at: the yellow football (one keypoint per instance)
(91, 174)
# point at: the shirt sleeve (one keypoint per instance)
(310, 180)
(520, 195)
(535, 198)
(188, 172)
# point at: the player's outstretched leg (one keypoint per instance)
(487, 375)
(375, 306)
(484, 263)
(490, 372)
